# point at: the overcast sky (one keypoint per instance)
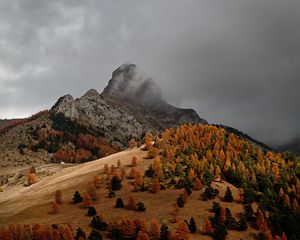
(236, 62)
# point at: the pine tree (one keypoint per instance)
(154, 229)
(91, 212)
(87, 201)
(119, 203)
(140, 207)
(54, 208)
(134, 161)
(243, 223)
(80, 234)
(77, 197)
(32, 178)
(198, 184)
(207, 227)
(98, 223)
(192, 225)
(175, 213)
(142, 236)
(164, 232)
(91, 190)
(182, 232)
(115, 183)
(180, 201)
(155, 185)
(58, 197)
(131, 203)
(228, 195)
(94, 235)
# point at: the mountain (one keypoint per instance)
(293, 146)
(129, 106)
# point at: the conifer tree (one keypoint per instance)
(154, 229)
(80, 234)
(115, 183)
(142, 236)
(192, 225)
(95, 235)
(91, 212)
(77, 197)
(140, 207)
(54, 208)
(243, 223)
(58, 197)
(119, 203)
(155, 185)
(228, 195)
(131, 203)
(164, 232)
(87, 201)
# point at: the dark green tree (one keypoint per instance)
(150, 172)
(228, 195)
(210, 193)
(97, 223)
(220, 232)
(94, 235)
(80, 233)
(192, 225)
(116, 234)
(77, 197)
(115, 183)
(91, 212)
(243, 223)
(140, 207)
(119, 203)
(180, 201)
(164, 232)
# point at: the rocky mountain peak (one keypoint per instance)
(130, 105)
(92, 93)
(128, 82)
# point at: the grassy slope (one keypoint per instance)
(21, 204)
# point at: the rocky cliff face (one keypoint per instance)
(129, 106)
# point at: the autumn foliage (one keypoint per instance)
(36, 232)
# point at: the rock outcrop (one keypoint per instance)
(129, 106)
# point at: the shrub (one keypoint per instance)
(77, 197)
(80, 234)
(98, 223)
(210, 193)
(91, 212)
(119, 203)
(180, 201)
(140, 207)
(94, 235)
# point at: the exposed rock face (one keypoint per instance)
(129, 106)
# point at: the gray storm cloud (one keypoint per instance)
(236, 62)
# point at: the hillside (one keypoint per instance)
(89, 127)
(25, 205)
(256, 192)
(293, 146)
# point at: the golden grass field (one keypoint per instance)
(20, 204)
